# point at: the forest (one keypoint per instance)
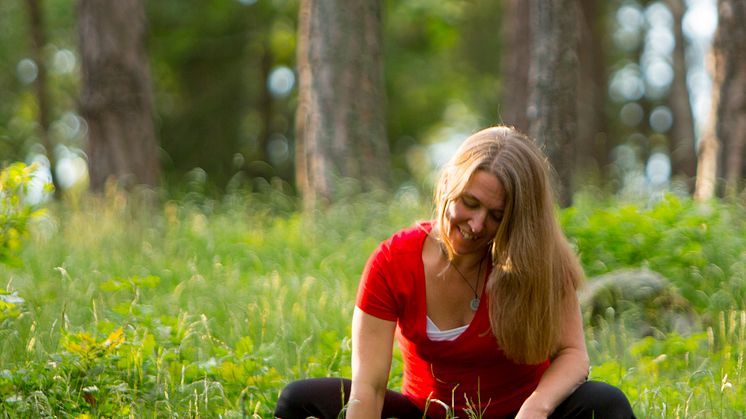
(211, 91)
(190, 189)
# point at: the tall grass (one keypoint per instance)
(205, 308)
(218, 303)
(695, 376)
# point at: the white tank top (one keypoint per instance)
(436, 334)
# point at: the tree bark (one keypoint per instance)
(707, 156)
(38, 41)
(553, 75)
(515, 64)
(683, 153)
(265, 104)
(592, 127)
(340, 127)
(727, 126)
(116, 99)
(731, 127)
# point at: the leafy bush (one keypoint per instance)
(207, 308)
(15, 212)
(700, 248)
(218, 304)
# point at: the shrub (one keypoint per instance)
(700, 248)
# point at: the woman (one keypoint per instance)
(481, 300)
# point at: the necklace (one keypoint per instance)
(474, 303)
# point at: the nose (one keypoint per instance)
(476, 222)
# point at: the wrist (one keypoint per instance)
(536, 406)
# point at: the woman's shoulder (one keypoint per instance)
(410, 237)
(407, 240)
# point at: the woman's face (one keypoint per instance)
(474, 216)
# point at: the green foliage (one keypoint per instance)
(10, 306)
(207, 308)
(700, 248)
(19, 131)
(700, 375)
(201, 308)
(210, 63)
(208, 66)
(456, 64)
(15, 212)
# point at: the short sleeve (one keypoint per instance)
(374, 294)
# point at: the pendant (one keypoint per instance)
(474, 304)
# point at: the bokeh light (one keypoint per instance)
(700, 19)
(626, 84)
(658, 16)
(658, 169)
(71, 166)
(660, 40)
(630, 22)
(661, 119)
(281, 81)
(278, 149)
(27, 71)
(658, 75)
(69, 127)
(632, 114)
(63, 62)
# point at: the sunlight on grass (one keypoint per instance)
(205, 308)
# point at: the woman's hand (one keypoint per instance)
(531, 412)
(372, 344)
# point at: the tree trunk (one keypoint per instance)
(515, 64)
(707, 156)
(265, 103)
(39, 40)
(552, 106)
(116, 99)
(591, 97)
(727, 126)
(731, 126)
(683, 153)
(340, 127)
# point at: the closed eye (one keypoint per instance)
(470, 202)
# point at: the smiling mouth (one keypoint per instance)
(467, 235)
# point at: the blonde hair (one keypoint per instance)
(534, 267)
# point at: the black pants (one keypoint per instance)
(324, 398)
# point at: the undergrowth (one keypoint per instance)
(208, 308)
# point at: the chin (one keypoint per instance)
(464, 247)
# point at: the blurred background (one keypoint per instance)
(230, 116)
(170, 92)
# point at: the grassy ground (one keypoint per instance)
(200, 308)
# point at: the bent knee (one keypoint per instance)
(291, 399)
(317, 397)
(607, 401)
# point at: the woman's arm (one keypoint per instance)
(372, 343)
(568, 370)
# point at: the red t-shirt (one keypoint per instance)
(392, 288)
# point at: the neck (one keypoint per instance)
(468, 262)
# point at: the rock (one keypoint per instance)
(645, 301)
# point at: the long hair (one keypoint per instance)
(534, 267)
